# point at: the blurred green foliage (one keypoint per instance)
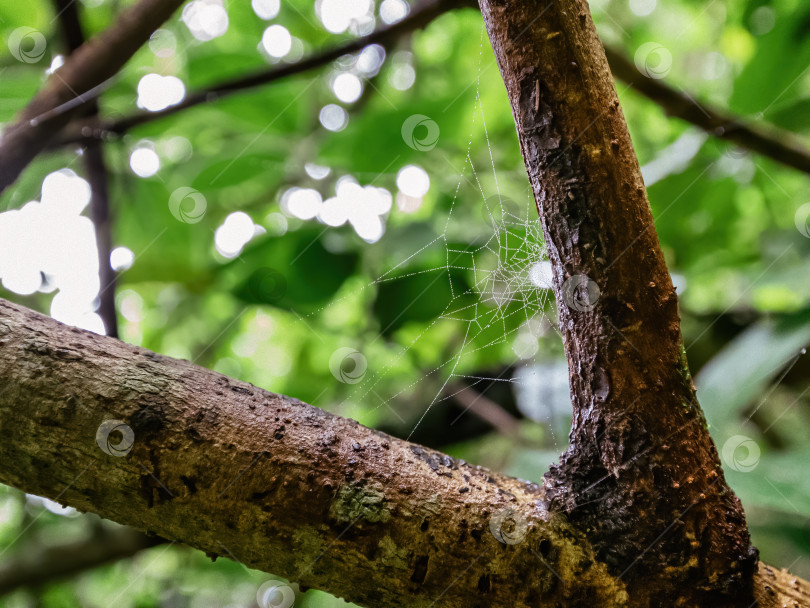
(445, 293)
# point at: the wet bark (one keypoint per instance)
(636, 513)
(642, 474)
(284, 487)
(277, 484)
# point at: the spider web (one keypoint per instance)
(516, 248)
(509, 290)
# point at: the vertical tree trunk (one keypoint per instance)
(642, 473)
(67, 12)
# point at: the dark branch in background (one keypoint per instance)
(419, 18)
(95, 64)
(484, 408)
(781, 146)
(97, 175)
(90, 66)
(38, 565)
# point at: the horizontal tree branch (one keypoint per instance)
(781, 146)
(90, 66)
(420, 16)
(40, 565)
(285, 487)
(779, 589)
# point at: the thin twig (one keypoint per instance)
(419, 18)
(485, 408)
(781, 146)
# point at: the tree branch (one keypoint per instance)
(42, 565)
(641, 472)
(485, 408)
(636, 513)
(778, 588)
(420, 16)
(289, 489)
(285, 487)
(98, 177)
(90, 66)
(781, 146)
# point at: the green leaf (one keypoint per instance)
(794, 116)
(740, 372)
(294, 272)
(421, 295)
(782, 55)
(231, 171)
(779, 481)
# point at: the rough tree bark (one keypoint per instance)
(282, 486)
(642, 473)
(636, 513)
(285, 487)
